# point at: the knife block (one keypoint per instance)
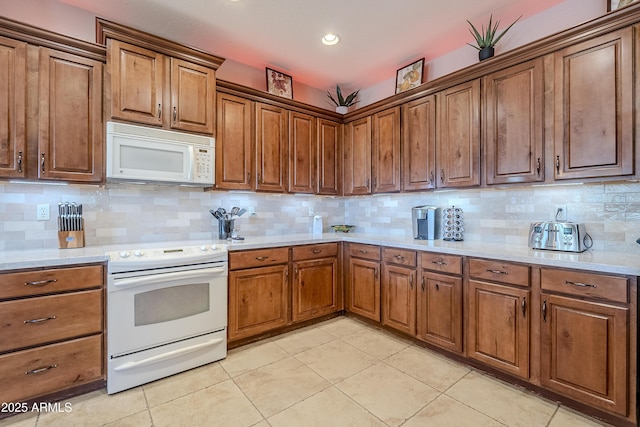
(71, 239)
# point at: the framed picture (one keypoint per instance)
(617, 4)
(410, 76)
(279, 84)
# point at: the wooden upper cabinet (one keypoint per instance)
(594, 107)
(302, 153)
(151, 88)
(193, 94)
(386, 151)
(419, 144)
(13, 84)
(357, 157)
(271, 148)
(329, 157)
(234, 142)
(137, 83)
(514, 124)
(71, 142)
(459, 136)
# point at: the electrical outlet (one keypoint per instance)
(311, 212)
(560, 213)
(42, 212)
(251, 210)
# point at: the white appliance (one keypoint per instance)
(139, 153)
(166, 312)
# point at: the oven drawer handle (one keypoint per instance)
(166, 277)
(169, 355)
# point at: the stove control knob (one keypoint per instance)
(124, 254)
(203, 248)
(138, 253)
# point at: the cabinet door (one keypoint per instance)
(594, 107)
(584, 351)
(315, 285)
(271, 148)
(419, 144)
(302, 153)
(136, 83)
(357, 157)
(13, 84)
(399, 298)
(499, 327)
(459, 136)
(71, 142)
(233, 143)
(258, 300)
(514, 124)
(364, 288)
(386, 151)
(329, 156)
(193, 94)
(440, 311)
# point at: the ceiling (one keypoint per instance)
(377, 36)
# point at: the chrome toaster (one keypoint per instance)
(559, 236)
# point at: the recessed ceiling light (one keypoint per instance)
(330, 39)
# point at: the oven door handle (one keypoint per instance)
(167, 277)
(169, 355)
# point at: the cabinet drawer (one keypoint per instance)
(38, 282)
(259, 258)
(358, 250)
(442, 263)
(314, 251)
(33, 321)
(612, 288)
(399, 257)
(38, 371)
(499, 271)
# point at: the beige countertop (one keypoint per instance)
(604, 261)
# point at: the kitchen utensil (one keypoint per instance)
(241, 212)
(216, 214)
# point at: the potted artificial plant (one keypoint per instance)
(342, 104)
(487, 39)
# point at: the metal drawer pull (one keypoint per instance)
(40, 320)
(422, 283)
(437, 287)
(159, 111)
(411, 281)
(262, 258)
(316, 251)
(398, 257)
(40, 282)
(497, 271)
(175, 114)
(524, 307)
(42, 162)
(582, 285)
(40, 370)
(20, 161)
(362, 251)
(439, 262)
(544, 310)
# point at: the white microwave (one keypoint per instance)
(139, 153)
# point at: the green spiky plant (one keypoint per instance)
(341, 101)
(487, 38)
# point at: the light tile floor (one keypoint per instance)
(337, 373)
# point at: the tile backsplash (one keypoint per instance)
(129, 213)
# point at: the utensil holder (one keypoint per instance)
(71, 239)
(225, 228)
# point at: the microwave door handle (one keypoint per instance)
(192, 157)
(166, 277)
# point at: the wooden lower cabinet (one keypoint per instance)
(364, 280)
(399, 285)
(315, 284)
(498, 325)
(584, 351)
(439, 311)
(52, 331)
(258, 300)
